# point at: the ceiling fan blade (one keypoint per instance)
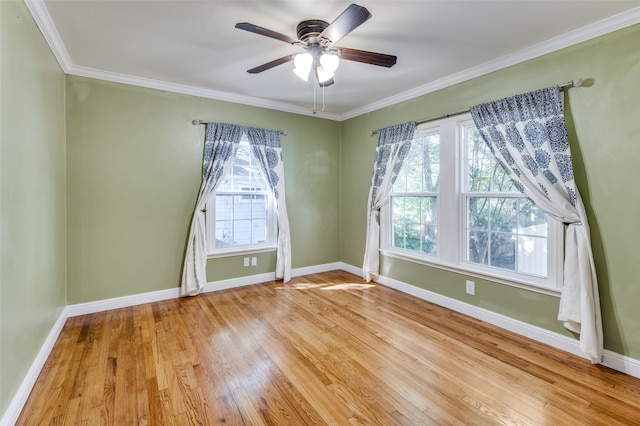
(366, 57)
(271, 64)
(352, 17)
(266, 32)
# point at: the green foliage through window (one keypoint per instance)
(414, 199)
(504, 230)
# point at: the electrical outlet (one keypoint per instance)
(254, 261)
(471, 288)
(246, 261)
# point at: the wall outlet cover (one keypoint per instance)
(471, 288)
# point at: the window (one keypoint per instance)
(241, 214)
(452, 205)
(414, 198)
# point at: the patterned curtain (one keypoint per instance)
(528, 136)
(392, 148)
(221, 144)
(267, 149)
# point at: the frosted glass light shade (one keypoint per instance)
(303, 62)
(329, 62)
(323, 74)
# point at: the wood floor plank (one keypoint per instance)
(324, 349)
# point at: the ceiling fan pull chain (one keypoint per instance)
(323, 98)
(314, 98)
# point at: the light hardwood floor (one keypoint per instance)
(323, 349)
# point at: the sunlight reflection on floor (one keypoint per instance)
(326, 286)
(348, 286)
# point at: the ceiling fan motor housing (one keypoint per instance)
(309, 30)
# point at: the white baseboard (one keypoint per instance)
(351, 269)
(11, 414)
(316, 269)
(120, 302)
(616, 361)
(172, 293)
(627, 365)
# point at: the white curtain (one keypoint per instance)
(528, 136)
(221, 144)
(267, 149)
(393, 146)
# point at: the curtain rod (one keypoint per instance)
(573, 83)
(198, 122)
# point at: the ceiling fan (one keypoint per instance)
(318, 39)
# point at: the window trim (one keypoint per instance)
(451, 227)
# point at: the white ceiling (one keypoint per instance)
(192, 46)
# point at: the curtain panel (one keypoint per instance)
(392, 148)
(220, 146)
(267, 148)
(527, 134)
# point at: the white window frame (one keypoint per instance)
(423, 131)
(270, 244)
(451, 240)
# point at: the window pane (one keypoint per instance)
(224, 233)
(224, 207)
(421, 168)
(258, 231)
(412, 236)
(503, 250)
(479, 162)
(241, 169)
(431, 162)
(226, 183)
(478, 247)
(259, 207)
(241, 208)
(531, 220)
(484, 173)
(503, 214)
(501, 182)
(413, 169)
(242, 232)
(532, 255)
(429, 229)
(415, 223)
(398, 235)
(478, 213)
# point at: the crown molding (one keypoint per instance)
(42, 18)
(605, 26)
(194, 91)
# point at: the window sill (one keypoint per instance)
(241, 251)
(538, 288)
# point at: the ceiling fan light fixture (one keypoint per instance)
(303, 63)
(329, 62)
(323, 74)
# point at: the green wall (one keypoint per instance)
(603, 129)
(99, 180)
(32, 195)
(134, 164)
